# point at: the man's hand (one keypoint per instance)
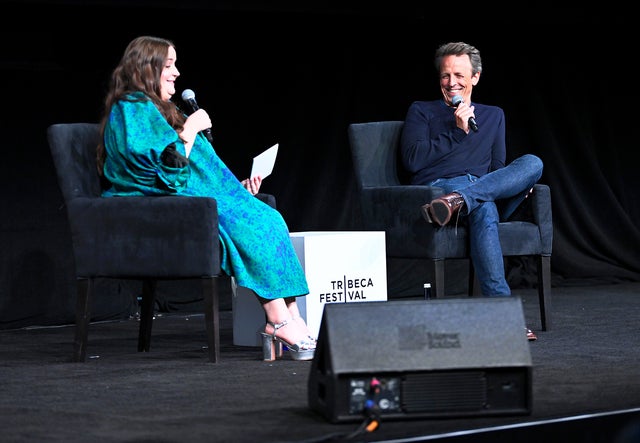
(463, 113)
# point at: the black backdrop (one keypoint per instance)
(298, 75)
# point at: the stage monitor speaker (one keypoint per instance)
(405, 359)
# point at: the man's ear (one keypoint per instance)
(475, 79)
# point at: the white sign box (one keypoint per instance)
(340, 267)
(249, 318)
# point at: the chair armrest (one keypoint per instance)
(267, 198)
(389, 207)
(396, 210)
(542, 215)
(178, 234)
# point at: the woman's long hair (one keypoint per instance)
(139, 70)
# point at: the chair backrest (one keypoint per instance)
(73, 148)
(374, 150)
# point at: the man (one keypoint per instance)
(459, 145)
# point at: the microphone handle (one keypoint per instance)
(472, 124)
(195, 107)
(207, 133)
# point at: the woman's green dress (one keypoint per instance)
(256, 248)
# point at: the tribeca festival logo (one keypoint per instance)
(347, 289)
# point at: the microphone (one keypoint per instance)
(455, 101)
(189, 98)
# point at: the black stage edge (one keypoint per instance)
(585, 384)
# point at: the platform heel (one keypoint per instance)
(272, 345)
(271, 348)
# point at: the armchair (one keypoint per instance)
(390, 205)
(138, 238)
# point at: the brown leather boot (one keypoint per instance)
(441, 209)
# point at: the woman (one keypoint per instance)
(150, 147)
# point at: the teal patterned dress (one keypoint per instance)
(256, 248)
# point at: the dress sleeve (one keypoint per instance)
(137, 137)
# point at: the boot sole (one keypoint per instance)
(440, 212)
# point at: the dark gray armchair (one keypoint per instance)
(389, 205)
(138, 238)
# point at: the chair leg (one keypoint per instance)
(146, 314)
(211, 316)
(83, 317)
(544, 290)
(437, 270)
(474, 283)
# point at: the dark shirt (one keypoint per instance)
(433, 147)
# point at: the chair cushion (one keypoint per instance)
(520, 238)
(133, 243)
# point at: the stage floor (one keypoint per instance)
(586, 384)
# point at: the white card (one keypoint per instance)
(263, 163)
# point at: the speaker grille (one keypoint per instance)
(445, 391)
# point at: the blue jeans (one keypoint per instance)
(490, 199)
